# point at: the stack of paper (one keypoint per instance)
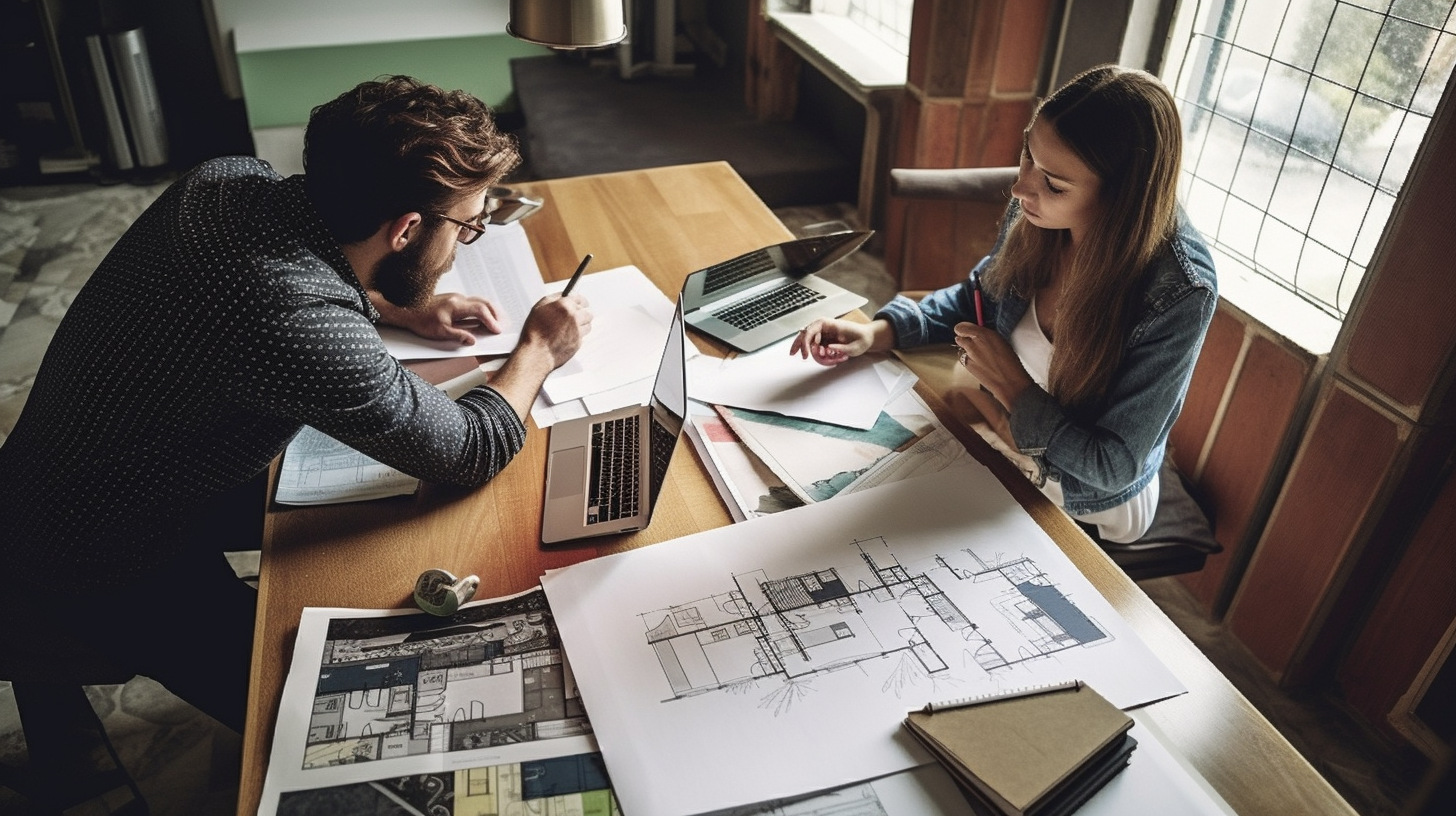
(786, 431)
(619, 357)
(852, 394)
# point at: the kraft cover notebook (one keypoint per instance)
(1032, 752)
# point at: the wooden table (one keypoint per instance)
(668, 222)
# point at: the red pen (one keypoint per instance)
(976, 292)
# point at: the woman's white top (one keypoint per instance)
(1122, 524)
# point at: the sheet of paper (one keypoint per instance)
(818, 461)
(1155, 782)
(789, 647)
(318, 469)
(499, 267)
(851, 394)
(379, 694)
(747, 485)
(630, 318)
(923, 791)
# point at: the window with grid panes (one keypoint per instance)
(1301, 120)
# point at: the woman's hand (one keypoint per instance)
(991, 360)
(443, 317)
(831, 342)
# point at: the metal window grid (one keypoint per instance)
(1204, 72)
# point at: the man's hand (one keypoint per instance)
(444, 317)
(556, 326)
(551, 335)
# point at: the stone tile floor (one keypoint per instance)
(50, 240)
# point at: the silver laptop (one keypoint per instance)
(605, 471)
(768, 294)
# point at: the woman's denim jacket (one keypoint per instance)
(1105, 460)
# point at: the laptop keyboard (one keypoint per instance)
(768, 306)
(732, 271)
(663, 441)
(614, 490)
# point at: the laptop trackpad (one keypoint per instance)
(568, 466)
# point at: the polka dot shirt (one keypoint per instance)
(224, 320)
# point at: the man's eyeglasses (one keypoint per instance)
(502, 206)
(469, 233)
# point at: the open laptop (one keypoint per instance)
(604, 471)
(763, 296)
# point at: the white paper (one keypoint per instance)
(630, 319)
(377, 694)
(789, 647)
(1156, 782)
(851, 394)
(499, 267)
(318, 469)
(924, 791)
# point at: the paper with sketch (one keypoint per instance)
(747, 485)
(318, 469)
(924, 791)
(818, 461)
(378, 694)
(789, 647)
(499, 267)
(851, 394)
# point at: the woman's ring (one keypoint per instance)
(963, 357)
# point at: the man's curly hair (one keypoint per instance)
(398, 145)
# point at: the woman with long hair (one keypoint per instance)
(1095, 299)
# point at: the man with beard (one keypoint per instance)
(238, 308)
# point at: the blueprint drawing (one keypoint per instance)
(790, 646)
(872, 613)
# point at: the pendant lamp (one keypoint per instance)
(567, 23)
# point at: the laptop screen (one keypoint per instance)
(669, 402)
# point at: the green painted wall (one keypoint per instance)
(281, 87)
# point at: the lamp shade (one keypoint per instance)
(567, 23)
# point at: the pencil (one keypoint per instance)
(576, 276)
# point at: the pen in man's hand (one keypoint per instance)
(576, 276)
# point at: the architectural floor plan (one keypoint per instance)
(870, 613)
(380, 695)
(791, 646)
(397, 686)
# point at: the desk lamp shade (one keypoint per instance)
(567, 23)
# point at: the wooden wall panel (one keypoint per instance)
(1243, 457)
(986, 69)
(950, 46)
(1394, 643)
(1205, 393)
(1336, 476)
(1018, 70)
(1404, 337)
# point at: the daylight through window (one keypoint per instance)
(1302, 119)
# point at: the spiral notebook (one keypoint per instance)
(1040, 751)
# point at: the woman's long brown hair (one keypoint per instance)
(1124, 125)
